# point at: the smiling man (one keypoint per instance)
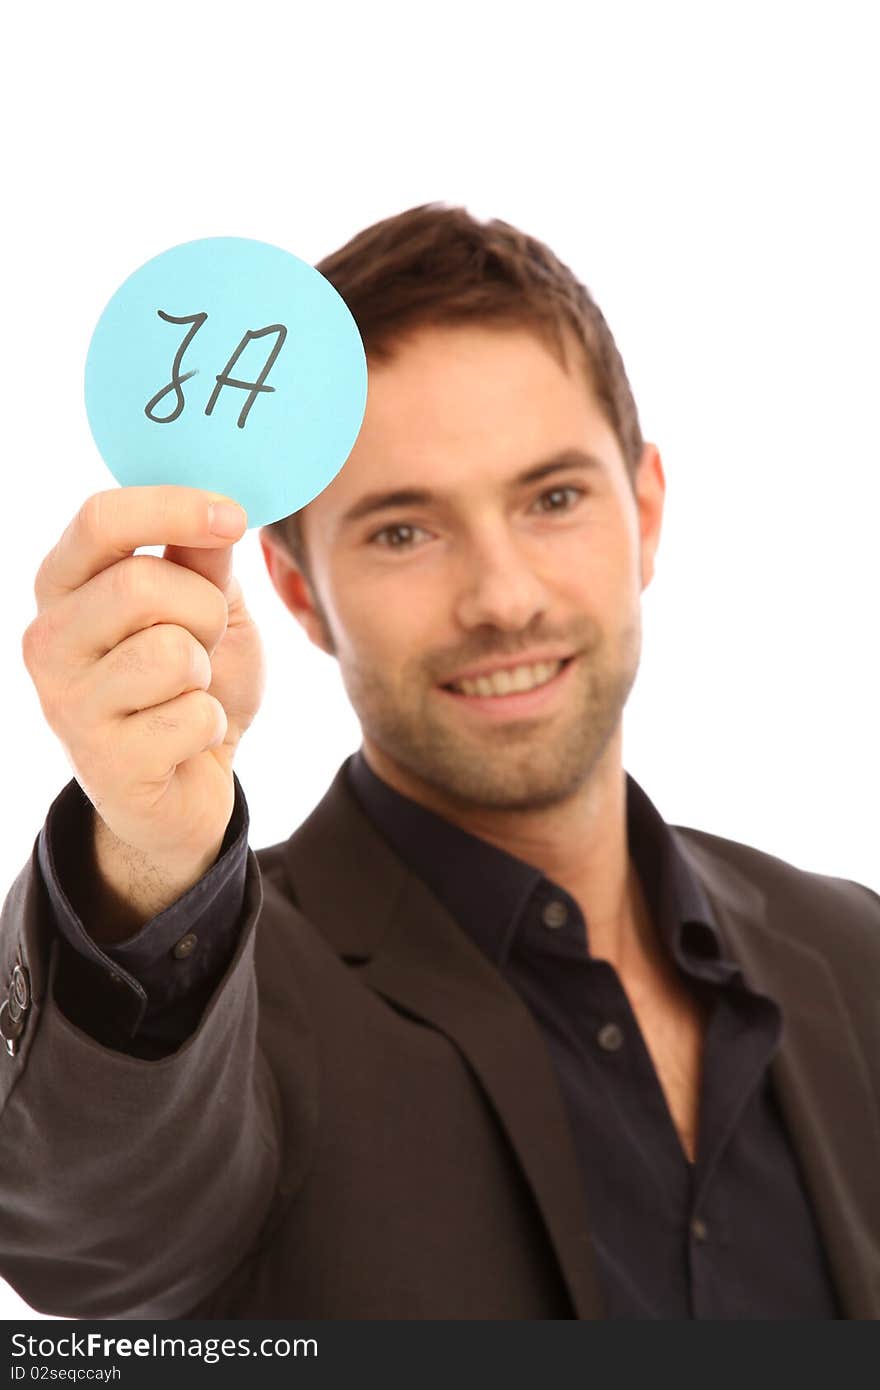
(485, 1038)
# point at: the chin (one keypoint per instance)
(527, 778)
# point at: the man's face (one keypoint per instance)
(488, 570)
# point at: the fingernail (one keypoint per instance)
(226, 519)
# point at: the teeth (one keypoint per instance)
(510, 681)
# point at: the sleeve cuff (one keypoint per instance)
(155, 983)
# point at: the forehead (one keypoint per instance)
(460, 408)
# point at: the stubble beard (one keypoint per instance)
(523, 765)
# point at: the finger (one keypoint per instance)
(145, 670)
(214, 564)
(112, 525)
(136, 593)
(149, 745)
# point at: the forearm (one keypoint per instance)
(128, 1187)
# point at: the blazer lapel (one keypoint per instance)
(820, 1074)
(378, 915)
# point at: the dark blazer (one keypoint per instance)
(366, 1123)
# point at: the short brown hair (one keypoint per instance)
(436, 264)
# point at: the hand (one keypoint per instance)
(148, 670)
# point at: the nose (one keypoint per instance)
(499, 586)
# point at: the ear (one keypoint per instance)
(650, 495)
(295, 591)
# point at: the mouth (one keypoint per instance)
(517, 691)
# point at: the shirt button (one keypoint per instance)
(699, 1229)
(185, 946)
(555, 914)
(610, 1036)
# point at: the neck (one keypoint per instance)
(580, 843)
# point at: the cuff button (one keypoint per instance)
(20, 990)
(11, 1028)
(185, 946)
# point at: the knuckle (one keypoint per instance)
(39, 586)
(168, 507)
(204, 708)
(126, 659)
(91, 518)
(30, 647)
(200, 668)
(212, 713)
(35, 643)
(134, 580)
(177, 647)
(159, 721)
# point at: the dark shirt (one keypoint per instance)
(730, 1236)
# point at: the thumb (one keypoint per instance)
(212, 562)
(234, 595)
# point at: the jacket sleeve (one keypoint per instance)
(129, 1186)
(145, 995)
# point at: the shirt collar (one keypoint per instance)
(487, 890)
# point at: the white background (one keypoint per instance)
(711, 176)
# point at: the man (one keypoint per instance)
(485, 1038)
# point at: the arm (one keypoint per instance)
(145, 993)
(128, 1187)
(133, 1185)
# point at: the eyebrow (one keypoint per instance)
(420, 497)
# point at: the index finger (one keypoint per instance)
(113, 524)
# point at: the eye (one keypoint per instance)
(400, 530)
(558, 492)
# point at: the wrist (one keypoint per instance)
(125, 888)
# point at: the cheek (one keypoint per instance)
(602, 564)
(391, 610)
(381, 632)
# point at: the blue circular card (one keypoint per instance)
(230, 365)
